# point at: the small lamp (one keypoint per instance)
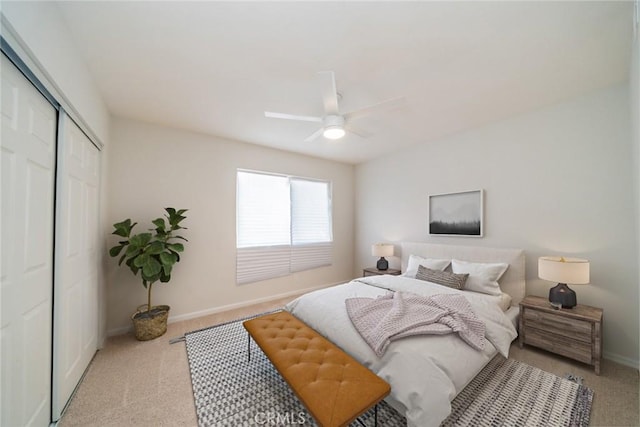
(333, 132)
(382, 250)
(563, 270)
(333, 127)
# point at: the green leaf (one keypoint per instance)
(132, 251)
(122, 259)
(164, 278)
(151, 278)
(123, 228)
(179, 237)
(159, 223)
(151, 267)
(141, 260)
(176, 254)
(168, 258)
(115, 251)
(141, 240)
(175, 217)
(131, 265)
(166, 269)
(155, 248)
(177, 247)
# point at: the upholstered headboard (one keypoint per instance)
(512, 281)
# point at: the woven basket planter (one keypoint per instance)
(150, 325)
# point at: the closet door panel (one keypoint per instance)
(76, 309)
(26, 282)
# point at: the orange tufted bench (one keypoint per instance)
(333, 386)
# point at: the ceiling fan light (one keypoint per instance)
(333, 132)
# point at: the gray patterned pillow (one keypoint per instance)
(445, 278)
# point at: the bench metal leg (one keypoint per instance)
(375, 417)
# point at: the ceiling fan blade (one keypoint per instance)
(329, 92)
(292, 117)
(314, 135)
(358, 132)
(381, 106)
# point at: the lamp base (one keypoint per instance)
(563, 294)
(382, 264)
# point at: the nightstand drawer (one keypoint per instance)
(560, 325)
(558, 344)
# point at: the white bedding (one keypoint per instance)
(512, 313)
(425, 372)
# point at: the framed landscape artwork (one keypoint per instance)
(456, 214)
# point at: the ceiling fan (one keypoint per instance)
(334, 124)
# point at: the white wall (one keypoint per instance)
(556, 181)
(151, 167)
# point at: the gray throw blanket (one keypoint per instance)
(398, 315)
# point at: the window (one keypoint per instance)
(283, 225)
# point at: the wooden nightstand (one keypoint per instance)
(372, 271)
(571, 332)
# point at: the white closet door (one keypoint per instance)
(26, 276)
(76, 286)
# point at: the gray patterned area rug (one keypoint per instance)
(231, 391)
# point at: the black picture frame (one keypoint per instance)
(457, 214)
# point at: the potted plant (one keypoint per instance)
(153, 254)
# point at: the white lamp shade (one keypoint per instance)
(382, 249)
(573, 271)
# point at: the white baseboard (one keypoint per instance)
(242, 304)
(219, 309)
(119, 331)
(627, 361)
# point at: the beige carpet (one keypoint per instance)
(148, 384)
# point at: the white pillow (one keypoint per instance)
(505, 301)
(482, 277)
(432, 263)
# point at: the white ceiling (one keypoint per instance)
(215, 67)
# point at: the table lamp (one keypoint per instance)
(563, 270)
(382, 250)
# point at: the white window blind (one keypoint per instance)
(263, 210)
(283, 225)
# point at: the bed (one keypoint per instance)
(425, 372)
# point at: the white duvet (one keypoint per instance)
(425, 372)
